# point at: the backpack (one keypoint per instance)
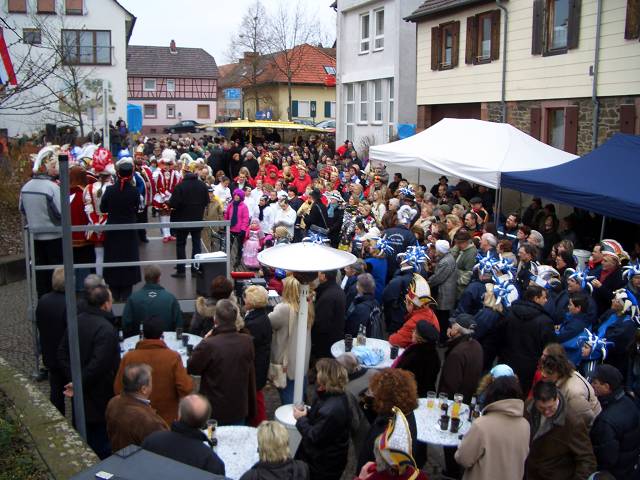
(375, 327)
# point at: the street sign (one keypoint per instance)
(232, 93)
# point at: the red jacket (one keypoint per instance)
(78, 216)
(403, 337)
(301, 184)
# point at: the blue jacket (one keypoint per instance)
(378, 268)
(399, 238)
(620, 331)
(485, 320)
(471, 299)
(358, 314)
(561, 304)
(568, 335)
(393, 299)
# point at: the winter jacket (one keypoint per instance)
(258, 324)
(571, 329)
(40, 204)
(616, 435)
(285, 218)
(284, 323)
(619, 330)
(462, 367)
(189, 199)
(317, 216)
(350, 290)
(560, 309)
(444, 281)
(580, 397)
(99, 359)
(423, 361)
(378, 268)
(359, 314)
(287, 470)
(465, 261)
(604, 293)
(393, 299)
(51, 319)
(187, 445)
(205, 309)
(170, 379)
(399, 238)
(325, 436)
(225, 361)
(243, 217)
(497, 444)
(152, 300)
(404, 337)
(527, 330)
(471, 298)
(328, 326)
(131, 420)
(560, 449)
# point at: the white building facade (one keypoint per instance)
(91, 36)
(376, 70)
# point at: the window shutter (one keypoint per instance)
(327, 109)
(312, 108)
(536, 117)
(73, 7)
(17, 6)
(628, 119)
(472, 36)
(455, 51)
(495, 35)
(435, 48)
(46, 6)
(573, 29)
(537, 28)
(571, 129)
(294, 108)
(632, 24)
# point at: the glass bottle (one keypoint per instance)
(362, 336)
(472, 407)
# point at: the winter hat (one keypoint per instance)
(475, 200)
(608, 374)
(406, 214)
(581, 277)
(465, 320)
(632, 270)
(501, 370)
(629, 301)
(442, 246)
(419, 292)
(394, 445)
(239, 192)
(427, 332)
(45, 157)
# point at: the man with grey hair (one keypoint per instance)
(130, 417)
(365, 309)
(536, 239)
(185, 442)
(488, 243)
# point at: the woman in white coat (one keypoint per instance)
(284, 216)
(284, 322)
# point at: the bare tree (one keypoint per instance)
(289, 29)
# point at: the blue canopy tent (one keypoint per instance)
(134, 117)
(603, 181)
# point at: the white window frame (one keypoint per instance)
(171, 81)
(378, 37)
(332, 110)
(330, 69)
(350, 103)
(144, 110)
(149, 89)
(169, 106)
(364, 41)
(307, 103)
(363, 87)
(391, 114)
(378, 102)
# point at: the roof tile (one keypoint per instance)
(143, 60)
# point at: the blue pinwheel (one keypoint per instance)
(506, 265)
(597, 344)
(485, 264)
(582, 277)
(384, 246)
(631, 270)
(316, 238)
(407, 191)
(505, 291)
(415, 255)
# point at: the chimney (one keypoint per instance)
(249, 57)
(172, 47)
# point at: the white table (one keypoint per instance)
(428, 424)
(337, 349)
(171, 341)
(238, 449)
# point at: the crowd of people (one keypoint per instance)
(496, 309)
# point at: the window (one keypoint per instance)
(149, 84)
(392, 116)
(363, 102)
(332, 110)
(483, 38)
(378, 41)
(171, 85)
(150, 111)
(377, 101)
(560, 125)
(46, 6)
(203, 111)
(350, 108)
(17, 6)
(73, 7)
(556, 26)
(171, 111)
(632, 20)
(329, 70)
(304, 109)
(555, 127)
(444, 46)
(364, 33)
(86, 47)
(32, 36)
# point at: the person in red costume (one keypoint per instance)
(165, 179)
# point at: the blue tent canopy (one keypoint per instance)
(603, 181)
(134, 117)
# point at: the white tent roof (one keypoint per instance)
(475, 150)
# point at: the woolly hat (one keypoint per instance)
(442, 246)
(239, 192)
(419, 292)
(406, 214)
(394, 445)
(465, 320)
(610, 375)
(427, 332)
(334, 195)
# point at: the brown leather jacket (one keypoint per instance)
(130, 420)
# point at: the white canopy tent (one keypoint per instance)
(475, 150)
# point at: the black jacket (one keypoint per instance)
(51, 319)
(317, 216)
(328, 327)
(615, 435)
(218, 161)
(604, 294)
(189, 199)
(527, 330)
(325, 436)
(252, 166)
(358, 314)
(185, 445)
(289, 470)
(99, 359)
(258, 324)
(423, 361)
(350, 291)
(399, 238)
(393, 300)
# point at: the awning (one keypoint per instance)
(266, 124)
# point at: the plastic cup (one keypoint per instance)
(431, 400)
(211, 428)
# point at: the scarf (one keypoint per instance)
(332, 207)
(261, 214)
(234, 213)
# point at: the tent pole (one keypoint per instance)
(604, 219)
(496, 214)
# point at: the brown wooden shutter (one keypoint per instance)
(73, 7)
(628, 119)
(455, 51)
(46, 6)
(17, 6)
(472, 37)
(536, 122)
(537, 29)
(632, 23)
(573, 29)
(571, 129)
(435, 48)
(495, 35)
